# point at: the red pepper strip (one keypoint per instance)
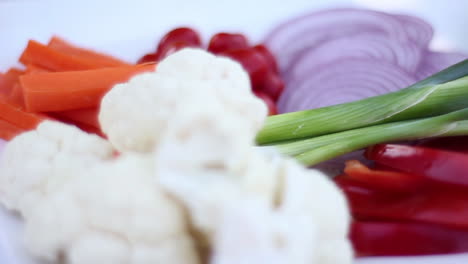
(406, 239)
(381, 179)
(443, 166)
(430, 205)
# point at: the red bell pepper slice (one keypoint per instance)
(406, 239)
(442, 206)
(439, 165)
(382, 179)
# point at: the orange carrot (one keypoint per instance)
(88, 116)
(61, 45)
(8, 131)
(17, 116)
(16, 95)
(8, 80)
(60, 91)
(53, 60)
(31, 69)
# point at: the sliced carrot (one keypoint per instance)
(8, 80)
(60, 91)
(53, 60)
(61, 45)
(17, 116)
(8, 131)
(32, 68)
(16, 95)
(87, 116)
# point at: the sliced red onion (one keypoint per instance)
(377, 47)
(342, 81)
(418, 30)
(433, 62)
(291, 38)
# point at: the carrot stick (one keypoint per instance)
(16, 95)
(60, 91)
(61, 45)
(31, 69)
(88, 116)
(53, 60)
(8, 131)
(16, 115)
(8, 80)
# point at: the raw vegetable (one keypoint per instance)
(136, 126)
(439, 94)
(8, 81)
(17, 116)
(60, 91)
(176, 200)
(222, 42)
(317, 149)
(443, 166)
(88, 116)
(8, 131)
(54, 60)
(383, 179)
(349, 54)
(257, 60)
(63, 46)
(442, 206)
(399, 239)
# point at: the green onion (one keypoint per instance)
(441, 93)
(314, 150)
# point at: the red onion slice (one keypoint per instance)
(433, 62)
(289, 39)
(418, 30)
(342, 81)
(406, 55)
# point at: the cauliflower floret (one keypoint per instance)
(253, 233)
(135, 115)
(38, 161)
(193, 165)
(113, 213)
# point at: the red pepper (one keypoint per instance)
(382, 179)
(443, 166)
(400, 239)
(430, 205)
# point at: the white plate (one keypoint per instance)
(128, 29)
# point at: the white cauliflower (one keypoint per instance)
(193, 165)
(114, 213)
(134, 115)
(37, 162)
(188, 181)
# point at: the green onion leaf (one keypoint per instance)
(441, 93)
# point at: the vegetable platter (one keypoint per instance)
(128, 30)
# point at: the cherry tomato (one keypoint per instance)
(183, 34)
(272, 110)
(150, 57)
(223, 42)
(262, 49)
(272, 85)
(252, 61)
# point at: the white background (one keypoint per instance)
(127, 29)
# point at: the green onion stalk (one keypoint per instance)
(436, 106)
